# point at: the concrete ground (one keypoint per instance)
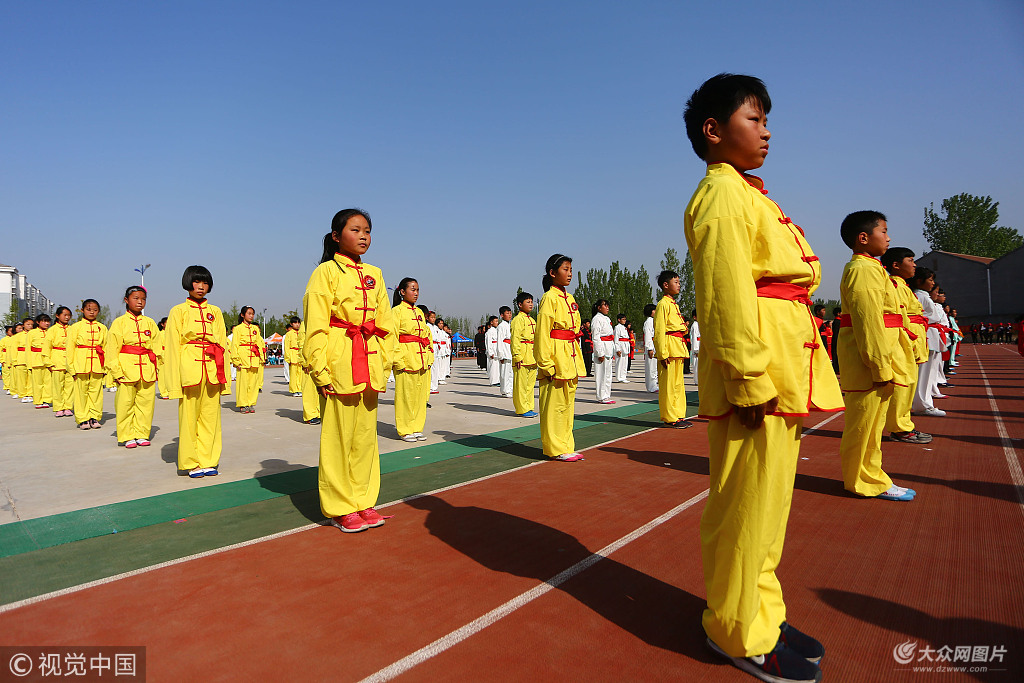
(49, 467)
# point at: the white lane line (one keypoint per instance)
(281, 534)
(477, 625)
(820, 424)
(1012, 461)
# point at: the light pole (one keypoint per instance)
(263, 316)
(141, 270)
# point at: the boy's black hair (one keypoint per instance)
(620, 316)
(241, 313)
(43, 317)
(91, 301)
(693, 314)
(294, 319)
(821, 308)
(648, 309)
(522, 297)
(9, 328)
(60, 309)
(597, 304)
(196, 274)
(337, 223)
(397, 297)
(665, 276)
(501, 311)
(858, 222)
(836, 311)
(718, 98)
(490, 318)
(895, 255)
(554, 263)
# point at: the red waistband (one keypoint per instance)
(98, 349)
(565, 335)
(918, 319)
(774, 289)
(36, 349)
(610, 337)
(413, 339)
(139, 351)
(676, 333)
(22, 348)
(359, 334)
(891, 320)
(216, 352)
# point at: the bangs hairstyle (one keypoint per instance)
(241, 313)
(718, 98)
(503, 310)
(196, 274)
(337, 225)
(858, 222)
(648, 309)
(554, 263)
(666, 275)
(91, 301)
(895, 255)
(42, 317)
(398, 297)
(61, 309)
(134, 288)
(521, 298)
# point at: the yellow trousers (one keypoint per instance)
(671, 391)
(23, 381)
(310, 397)
(349, 475)
(295, 377)
(412, 389)
(159, 374)
(42, 388)
(108, 382)
(6, 375)
(62, 388)
(259, 379)
(861, 446)
(897, 417)
(247, 387)
(133, 405)
(557, 410)
(88, 396)
(522, 389)
(199, 427)
(743, 529)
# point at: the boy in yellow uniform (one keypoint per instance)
(523, 361)
(754, 274)
(41, 389)
(559, 358)
(86, 363)
(870, 362)
(131, 361)
(22, 374)
(413, 356)
(669, 330)
(196, 373)
(248, 354)
(293, 356)
(350, 336)
(899, 264)
(55, 353)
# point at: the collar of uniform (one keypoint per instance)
(728, 169)
(200, 304)
(346, 260)
(870, 258)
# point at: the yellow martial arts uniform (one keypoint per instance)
(559, 358)
(196, 340)
(293, 357)
(413, 354)
(55, 353)
(523, 362)
(669, 330)
(19, 362)
(871, 350)
(131, 361)
(348, 345)
(160, 346)
(913, 351)
(42, 391)
(311, 398)
(754, 274)
(248, 354)
(86, 363)
(5, 362)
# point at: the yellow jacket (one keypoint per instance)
(354, 297)
(248, 350)
(160, 344)
(523, 334)
(19, 349)
(760, 347)
(85, 343)
(667, 319)
(292, 347)
(4, 344)
(34, 341)
(558, 357)
(868, 349)
(194, 330)
(55, 347)
(411, 355)
(130, 366)
(910, 306)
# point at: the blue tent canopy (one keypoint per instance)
(459, 338)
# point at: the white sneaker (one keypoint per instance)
(409, 437)
(935, 412)
(26, 399)
(419, 436)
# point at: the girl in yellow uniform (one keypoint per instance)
(41, 389)
(349, 340)
(55, 352)
(524, 363)
(86, 362)
(196, 374)
(413, 357)
(293, 357)
(132, 362)
(5, 361)
(559, 360)
(22, 374)
(248, 354)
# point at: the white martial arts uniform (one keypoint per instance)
(927, 378)
(694, 348)
(435, 369)
(650, 364)
(491, 344)
(603, 338)
(621, 346)
(504, 355)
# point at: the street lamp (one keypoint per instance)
(141, 270)
(263, 316)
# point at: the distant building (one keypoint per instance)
(15, 287)
(980, 288)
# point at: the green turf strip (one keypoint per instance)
(44, 532)
(53, 568)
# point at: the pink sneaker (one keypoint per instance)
(130, 443)
(371, 517)
(350, 523)
(568, 457)
(142, 442)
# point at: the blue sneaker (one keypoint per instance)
(782, 665)
(804, 645)
(197, 473)
(896, 493)
(529, 413)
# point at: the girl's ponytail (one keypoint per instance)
(337, 225)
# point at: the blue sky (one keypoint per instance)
(481, 137)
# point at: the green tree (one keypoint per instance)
(829, 304)
(687, 298)
(627, 292)
(967, 225)
(13, 314)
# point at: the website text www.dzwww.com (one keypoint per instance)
(950, 669)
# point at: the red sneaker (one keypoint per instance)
(142, 442)
(350, 523)
(371, 517)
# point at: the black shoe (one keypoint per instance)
(314, 421)
(781, 665)
(801, 643)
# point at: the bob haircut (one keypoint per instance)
(196, 274)
(718, 98)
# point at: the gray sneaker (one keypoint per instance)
(911, 437)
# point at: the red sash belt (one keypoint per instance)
(254, 350)
(527, 341)
(139, 351)
(505, 341)
(215, 351)
(918, 319)
(774, 289)
(676, 333)
(22, 348)
(610, 337)
(444, 343)
(943, 331)
(359, 334)
(413, 339)
(99, 351)
(36, 349)
(565, 335)
(891, 320)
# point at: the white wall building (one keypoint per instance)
(15, 286)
